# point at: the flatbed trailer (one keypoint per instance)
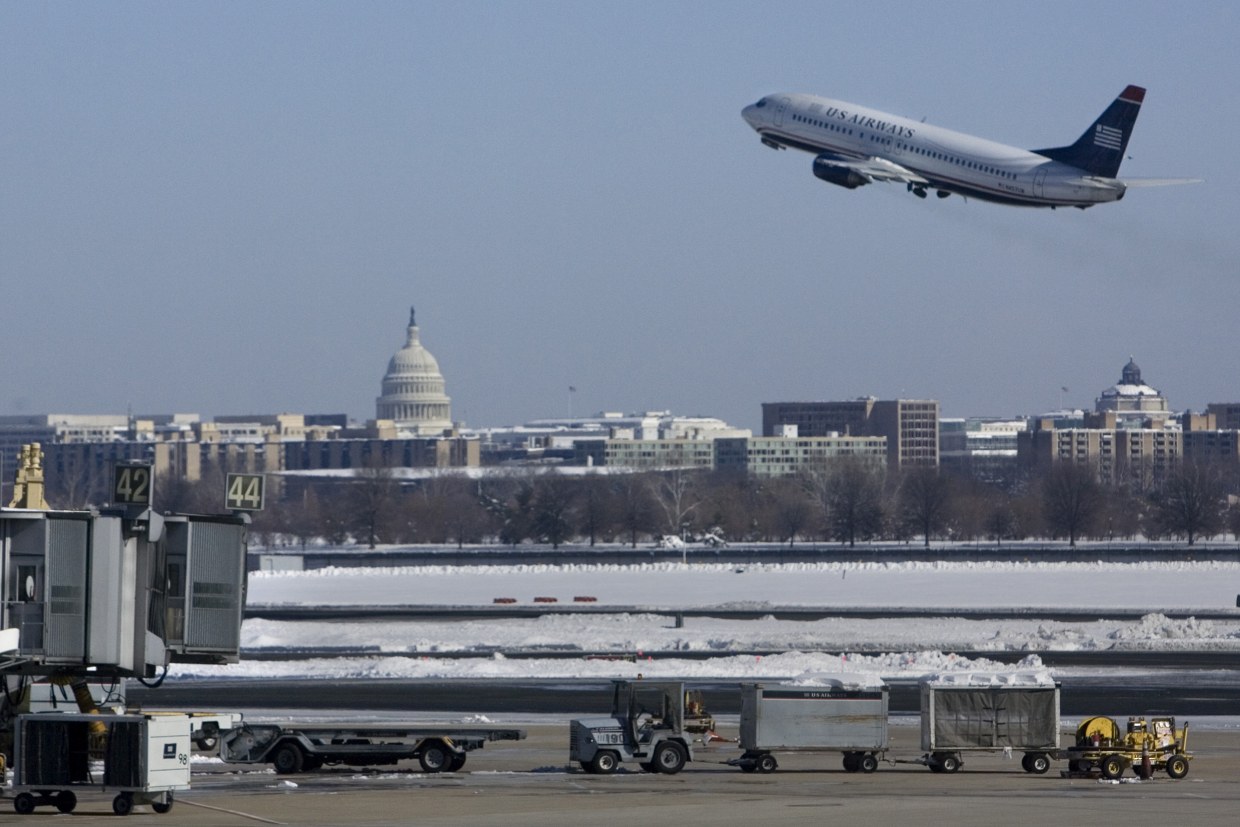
(304, 747)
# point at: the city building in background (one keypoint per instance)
(910, 426)
(980, 448)
(1131, 437)
(1133, 403)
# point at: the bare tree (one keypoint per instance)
(676, 494)
(732, 504)
(634, 510)
(554, 496)
(330, 511)
(855, 499)
(1071, 498)
(924, 501)
(1233, 521)
(373, 496)
(302, 517)
(595, 508)
(792, 510)
(73, 487)
(1190, 502)
(445, 508)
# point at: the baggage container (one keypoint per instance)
(978, 712)
(145, 758)
(845, 713)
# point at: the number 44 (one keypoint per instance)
(245, 492)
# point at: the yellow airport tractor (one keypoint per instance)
(1147, 746)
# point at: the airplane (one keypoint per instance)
(854, 146)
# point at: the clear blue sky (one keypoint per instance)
(229, 207)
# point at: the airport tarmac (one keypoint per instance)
(531, 783)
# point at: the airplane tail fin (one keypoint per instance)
(1101, 149)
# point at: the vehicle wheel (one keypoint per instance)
(747, 766)
(604, 762)
(1039, 763)
(851, 763)
(288, 759)
(162, 807)
(207, 743)
(122, 805)
(435, 757)
(588, 767)
(458, 761)
(66, 801)
(949, 763)
(1024, 762)
(1112, 766)
(24, 804)
(670, 758)
(766, 763)
(868, 763)
(1177, 766)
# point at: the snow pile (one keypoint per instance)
(1159, 627)
(788, 665)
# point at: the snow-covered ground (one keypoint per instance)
(1154, 586)
(851, 645)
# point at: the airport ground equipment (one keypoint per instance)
(977, 712)
(843, 713)
(1147, 746)
(145, 759)
(647, 725)
(304, 747)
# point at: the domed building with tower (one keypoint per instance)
(1131, 400)
(413, 389)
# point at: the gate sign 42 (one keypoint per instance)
(245, 492)
(131, 484)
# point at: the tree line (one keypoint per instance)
(845, 501)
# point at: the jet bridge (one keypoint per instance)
(120, 593)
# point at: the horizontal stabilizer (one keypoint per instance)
(1158, 182)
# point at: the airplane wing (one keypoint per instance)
(871, 169)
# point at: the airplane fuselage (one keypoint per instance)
(946, 161)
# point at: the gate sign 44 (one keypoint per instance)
(245, 492)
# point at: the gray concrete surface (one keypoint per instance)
(531, 783)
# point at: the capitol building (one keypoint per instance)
(413, 390)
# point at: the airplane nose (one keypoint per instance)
(750, 114)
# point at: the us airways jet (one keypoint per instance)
(854, 146)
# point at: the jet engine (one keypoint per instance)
(825, 168)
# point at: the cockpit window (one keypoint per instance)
(760, 103)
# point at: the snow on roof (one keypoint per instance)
(838, 680)
(1018, 678)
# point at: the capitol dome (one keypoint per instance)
(413, 389)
